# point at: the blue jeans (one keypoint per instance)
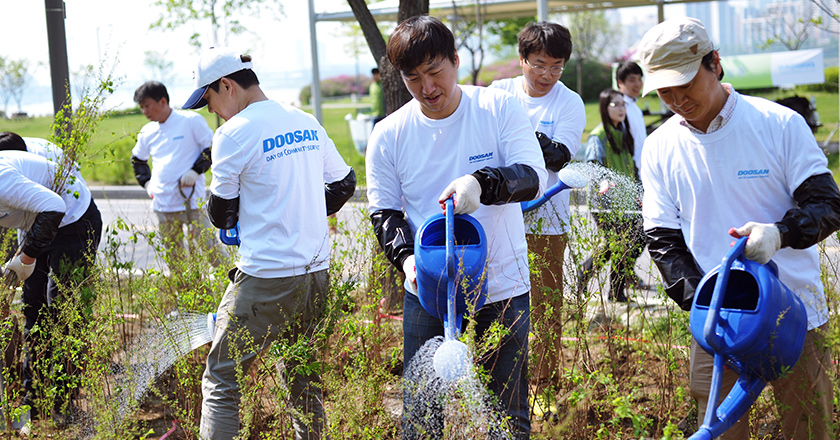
(508, 365)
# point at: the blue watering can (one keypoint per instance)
(450, 253)
(230, 237)
(747, 319)
(569, 178)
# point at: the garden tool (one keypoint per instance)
(569, 178)
(450, 254)
(751, 322)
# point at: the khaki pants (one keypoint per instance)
(803, 396)
(546, 303)
(255, 312)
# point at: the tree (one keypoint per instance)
(223, 16)
(15, 80)
(590, 33)
(3, 93)
(789, 30)
(469, 35)
(392, 86)
(160, 65)
(507, 35)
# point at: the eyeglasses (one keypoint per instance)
(540, 70)
(616, 104)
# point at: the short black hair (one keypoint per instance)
(627, 68)
(245, 77)
(546, 36)
(374, 71)
(708, 62)
(417, 40)
(153, 90)
(11, 141)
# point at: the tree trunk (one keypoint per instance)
(393, 89)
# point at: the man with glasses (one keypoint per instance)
(558, 117)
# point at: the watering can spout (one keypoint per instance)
(568, 178)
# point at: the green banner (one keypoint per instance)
(748, 71)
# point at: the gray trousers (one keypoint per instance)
(255, 312)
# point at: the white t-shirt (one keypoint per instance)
(637, 128)
(561, 116)
(174, 147)
(411, 159)
(746, 171)
(276, 159)
(51, 152)
(26, 180)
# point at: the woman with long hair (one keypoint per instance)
(610, 145)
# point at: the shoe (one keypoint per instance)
(542, 408)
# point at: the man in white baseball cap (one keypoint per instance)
(726, 166)
(278, 175)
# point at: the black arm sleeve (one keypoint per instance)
(202, 164)
(555, 154)
(679, 270)
(223, 213)
(817, 215)
(394, 235)
(42, 232)
(141, 171)
(339, 192)
(516, 183)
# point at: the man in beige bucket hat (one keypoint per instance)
(726, 166)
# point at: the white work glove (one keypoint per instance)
(467, 192)
(22, 270)
(188, 179)
(148, 191)
(763, 242)
(410, 271)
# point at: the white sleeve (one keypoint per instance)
(570, 124)
(803, 158)
(518, 145)
(202, 134)
(25, 194)
(141, 149)
(384, 190)
(335, 168)
(658, 208)
(228, 162)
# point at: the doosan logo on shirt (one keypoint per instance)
(481, 157)
(753, 174)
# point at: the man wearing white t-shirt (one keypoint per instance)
(476, 146)
(558, 117)
(628, 76)
(278, 175)
(728, 165)
(178, 142)
(61, 228)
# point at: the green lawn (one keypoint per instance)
(107, 161)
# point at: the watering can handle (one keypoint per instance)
(451, 326)
(711, 325)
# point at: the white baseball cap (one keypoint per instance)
(671, 52)
(214, 64)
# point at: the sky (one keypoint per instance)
(116, 35)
